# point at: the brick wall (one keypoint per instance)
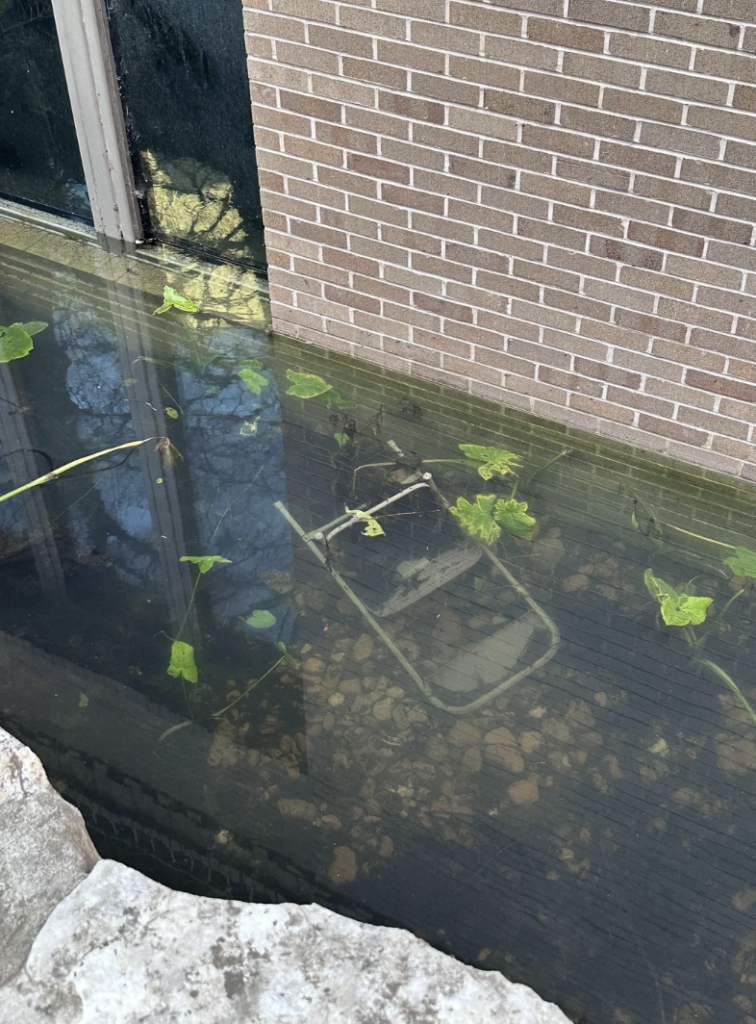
(548, 203)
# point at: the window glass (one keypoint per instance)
(39, 154)
(183, 75)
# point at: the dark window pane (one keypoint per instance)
(183, 74)
(39, 154)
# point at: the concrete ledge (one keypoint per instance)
(94, 940)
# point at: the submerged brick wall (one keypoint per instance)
(544, 202)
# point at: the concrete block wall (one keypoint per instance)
(548, 203)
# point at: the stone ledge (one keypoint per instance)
(112, 945)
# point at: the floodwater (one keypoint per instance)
(502, 747)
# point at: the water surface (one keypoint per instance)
(588, 830)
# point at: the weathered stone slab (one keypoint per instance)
(122, 948)
(44, 852)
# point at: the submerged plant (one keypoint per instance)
(250, 374)
(684, 611)
(16, 340)
(372, 527)
(172, 300)
(493, 460)
(164, 447)
(182, 664)
(490, 515)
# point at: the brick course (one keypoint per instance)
(548, 203)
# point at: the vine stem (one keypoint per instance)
(48, 477)
(217, 714)
(720, 672)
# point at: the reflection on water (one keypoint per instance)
(488, 723)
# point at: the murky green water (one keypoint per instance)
(503, 748)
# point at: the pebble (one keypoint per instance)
(500, 737)
(538, 712)
(301, 809)
(477, 622)
(607, 592)
(382, 709)
(417, 715)
(331, 821)
(350, 686)
(362, 649)
(465, 734)
(601, 699)
(395, 691)
(472, 759)
(313, 666)
(436, 749)
(574, 583)
(343, 867)
(742, 900)
(387, 846)
(329, 720)
(401, 717)
(335, 699)
(506, 757)
(530, 741)
(523, 792)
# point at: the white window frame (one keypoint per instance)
(92, 82)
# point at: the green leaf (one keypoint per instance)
(172, 299)
(182, 662)
(676, 609)
(495, 460)
(170, 411)
(83, 699)
(261, 619)
(254, 380)
(289, 659)
(129, 381)
(372, 527)
(743, 562)
(249, 428)
(306, 385)
(341, 439)
(205, 562)
(34, 327)
(333, 400)
(513, 517)
(686, 611)
(15, 343)
(477, 519)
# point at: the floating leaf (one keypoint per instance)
(288, 658)
(372, 527)
(477, 519)
(743, 562)
(513, 517)
(33, 327)
(170, 411)
(252, 378)
(248, 429)
(83, 699)
(129, 381)
(205, 562)
(182, 662)
(172, 299)
(685, 611)
(495, 460)
(213, 391)
(676, 609)
(306, 385)
(333, 400)
(15, 342)
(159, 480)
(261, 619)
(341, 439)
